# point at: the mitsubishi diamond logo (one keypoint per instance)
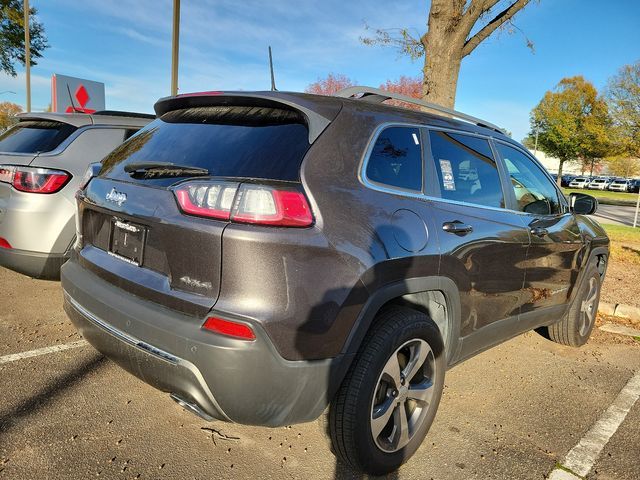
(116, 197)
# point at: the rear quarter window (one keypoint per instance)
(35, 136)
(229, 141)
(396, 159)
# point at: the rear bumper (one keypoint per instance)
(34, 264)
(33, 222)
(225, 378)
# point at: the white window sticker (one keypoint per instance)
(415, 139)
(448, 182)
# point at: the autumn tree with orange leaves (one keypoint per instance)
(332, 83)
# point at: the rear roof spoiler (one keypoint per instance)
(319, 111)
(75, 119)
(106, 117)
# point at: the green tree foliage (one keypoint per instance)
(623, 166)
(8, 112)
(12, 36)
(623, 97)
(572, 123)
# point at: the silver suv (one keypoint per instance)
(42, 162)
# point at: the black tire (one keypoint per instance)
(575, 328)
(351, 412)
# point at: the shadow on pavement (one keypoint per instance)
(50, 391)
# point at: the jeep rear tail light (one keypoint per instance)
(4, 243)
(229, 328)
(245, 203)
(34, 180)
(271, 206)
(6, 173)
(207, 199)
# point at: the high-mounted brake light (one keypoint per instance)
(229, 328)
(34, 180)
(245, 203)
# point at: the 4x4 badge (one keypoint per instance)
(116, 197)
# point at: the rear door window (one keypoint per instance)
(396, 159)
(35, 136)
(466, 169)
(228, 141)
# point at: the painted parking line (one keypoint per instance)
(42, 351)
(583, 456)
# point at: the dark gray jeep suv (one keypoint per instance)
(264, 255)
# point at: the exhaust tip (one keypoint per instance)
(192, 407)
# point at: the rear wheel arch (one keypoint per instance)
(598, 256)
(435, 296)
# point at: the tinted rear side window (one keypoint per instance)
(228, 141)
(466, 169)
(35, 136)
(396, 159)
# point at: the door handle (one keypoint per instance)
(539, 232)
(457, 227)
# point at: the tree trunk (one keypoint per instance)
(443, 44)
(559, 179)
(447, 42)
(441, 78)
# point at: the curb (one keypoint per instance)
(617, 203)
(620, 310)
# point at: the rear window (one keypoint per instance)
(228, 141)
(34, 136)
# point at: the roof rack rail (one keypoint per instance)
(119, 113)
(377, 95)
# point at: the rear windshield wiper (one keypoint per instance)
(163, 169)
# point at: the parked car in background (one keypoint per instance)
(42, 161)
(579, 182)
(598, 183)
(566, 180)
(634, 185)
(263, 255)
(620, 185)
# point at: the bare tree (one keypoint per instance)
(449, 39)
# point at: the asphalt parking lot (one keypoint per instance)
(512, 412)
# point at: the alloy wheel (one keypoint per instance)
(403, 395)
(588, 307)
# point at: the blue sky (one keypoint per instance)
(126, 44)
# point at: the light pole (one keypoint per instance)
(175, 44)
(635, 219)
(27, 52)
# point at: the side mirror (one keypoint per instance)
(583, 204)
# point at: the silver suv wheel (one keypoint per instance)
(588, 306)
(403, 395)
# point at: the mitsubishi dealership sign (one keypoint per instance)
(71, 94)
